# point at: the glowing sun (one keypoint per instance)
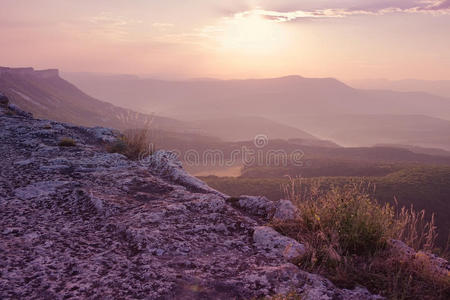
(251, 35)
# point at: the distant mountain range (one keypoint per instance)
(357, 130)
(435, 87)
(416, 149)
(236, 110)
(325, 108)
(46, 95)
(246, 128)
(264, 97)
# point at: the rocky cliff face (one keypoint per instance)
(80, 222)
(30, 72)
(45, 94)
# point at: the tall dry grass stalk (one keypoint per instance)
(414, 229)
(135, 143)
(297, 191)
(138, 143)
(405, 224)
(346, 233)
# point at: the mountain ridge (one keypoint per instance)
(274, 95)
(45, 94)
(312, 105)
(435, 87)
(248, 127)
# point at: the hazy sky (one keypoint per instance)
(347, 39)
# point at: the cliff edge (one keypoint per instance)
(76, 221)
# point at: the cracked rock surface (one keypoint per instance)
(78, 222)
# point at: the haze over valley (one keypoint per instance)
(326, 107)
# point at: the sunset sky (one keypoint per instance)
(347, 39)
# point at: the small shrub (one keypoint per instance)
(138, 143)
(234, 201)
(346, 234)
(4, 101)
(10, 113)
(67, 142)
(118, 146)
(345, 220)
(134, 143)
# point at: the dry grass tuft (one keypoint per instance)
(347, 235)
(135, 143)
(414, 230)
(67, 142)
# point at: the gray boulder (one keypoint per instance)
(430, 262)
(256, 205)
(285, 211)
(267, 239)
(102, 134)
(18, 111)
(167, 165)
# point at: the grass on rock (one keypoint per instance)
(348, 239)
(134, 143)
(67, 142)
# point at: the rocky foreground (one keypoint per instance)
(78, 222)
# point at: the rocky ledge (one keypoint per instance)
(80, 222)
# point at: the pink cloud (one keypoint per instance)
(378, 8)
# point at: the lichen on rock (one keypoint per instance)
(272, 242)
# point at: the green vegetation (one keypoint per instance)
(359, 225)
(347, 235)
(347, 232)
(425, 187)
(314, 167)
(67, 142)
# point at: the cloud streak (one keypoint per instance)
(112, 26)
(438, 5)
(387, 7)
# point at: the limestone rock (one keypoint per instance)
(402, 249)
(14, 108)
(38, 189)
(267, 239)
(257, 206)
(285, 211)
(102, 134)
(430, 262)
(167, 165)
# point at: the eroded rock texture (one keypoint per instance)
(80, 222)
